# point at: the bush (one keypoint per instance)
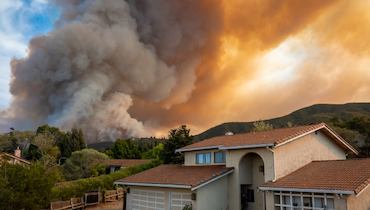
(79, 187)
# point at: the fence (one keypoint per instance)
(91, 198)
(113, 195)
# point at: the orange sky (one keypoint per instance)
(265, 59)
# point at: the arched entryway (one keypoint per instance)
(251, 176)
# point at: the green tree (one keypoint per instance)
(177, 138)
(154, 153)
(261, 126)
(82, 164)
(124, 149)
(25, 187)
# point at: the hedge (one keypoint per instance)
(79, 187)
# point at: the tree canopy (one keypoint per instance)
(154, 153)
(83, 164)
(177, 138)
(25, 187)
(262, 126)
(124, 149)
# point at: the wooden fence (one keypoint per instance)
(91, 198)
(113, 195)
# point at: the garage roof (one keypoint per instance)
(177, 176)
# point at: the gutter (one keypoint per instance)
(247, 146)
(154, 185)
(198, 148)
(348, 192)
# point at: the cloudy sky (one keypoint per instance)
(144, 67)
(20, 20)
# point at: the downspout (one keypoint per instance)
(264, 200)
(273, 161)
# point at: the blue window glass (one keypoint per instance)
(203, 158)
(220, 157)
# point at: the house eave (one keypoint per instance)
(247, 146)
(348, 192)
(198, 148)
(153, 185)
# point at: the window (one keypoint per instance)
(299, 201)
(220, 157)
(203, 158)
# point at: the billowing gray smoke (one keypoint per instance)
(100, 54)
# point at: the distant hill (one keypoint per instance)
(312, 114)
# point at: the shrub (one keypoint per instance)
(79, 187)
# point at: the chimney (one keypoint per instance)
(17, 152)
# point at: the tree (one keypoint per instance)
(25, 187)
(82, 164)
(154, 153)
(10, 141)
(261, 126)
(177, 138)
(66, 142)
(124, 149)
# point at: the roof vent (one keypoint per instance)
(229, 133)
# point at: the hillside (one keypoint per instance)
(312, 114)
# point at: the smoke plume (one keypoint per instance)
(137, 68)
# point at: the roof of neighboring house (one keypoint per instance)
(126, 162)
(177, 176)
(345, 176)
(15, 157)
(273, 137)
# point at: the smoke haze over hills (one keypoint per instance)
(138, 68)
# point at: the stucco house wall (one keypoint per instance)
(233, 158)
(213, 195)
(361, 201)
(315, 146)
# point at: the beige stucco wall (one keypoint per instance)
(233, 158)
(295, 154)
(213, 195)
(362, 201)
(190, 157)
(166, 190)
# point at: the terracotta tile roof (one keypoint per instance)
(191, 176)
(344, 175)
(15, 157)
(126, 162)
(273, 137)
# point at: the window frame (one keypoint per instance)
(204, 158)
(223, 156)
(285, 196)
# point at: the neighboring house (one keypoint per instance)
(301, 167)
(118, 164)
(16, 158)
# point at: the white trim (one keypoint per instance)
(362, 190)
(247, 146)
(343, 142)
(307, 190)
(300, 136)
(198, 148)
(154, 185)
(214, 179)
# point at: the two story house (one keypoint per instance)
(301, 167)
